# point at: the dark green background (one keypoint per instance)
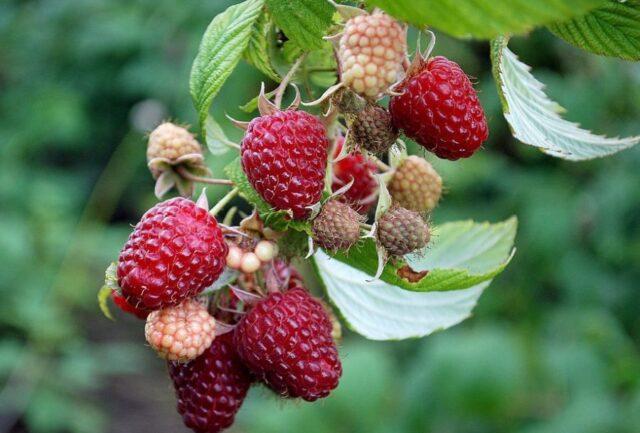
(552, 346)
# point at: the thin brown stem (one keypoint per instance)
(381, 165)
(186, 174)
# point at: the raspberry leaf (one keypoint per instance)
(257, 51)
(221, 48)
(110, 284)
(381, 311)
(217, 141)
(484, 19)
(461, 255)
(535, 119)
(304, 21)
(611, 30)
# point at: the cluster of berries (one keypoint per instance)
(221, 335)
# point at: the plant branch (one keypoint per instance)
(186, 174)
(285, 80)
(223, 202)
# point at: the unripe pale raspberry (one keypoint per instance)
(234, 257)
(415, 185)
(266, 250)
(171, 141)
(372, 129)
(250, 263)
(180, 333)
(371, 51)
(402, 231)
(337, 226)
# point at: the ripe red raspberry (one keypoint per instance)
(285, 340)
(284, 156)
(439, 109)
(362, 194)
(175, 251)
(118, 299)
(211, 388)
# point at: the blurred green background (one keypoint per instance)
(553, 344)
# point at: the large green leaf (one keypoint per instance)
(257, 51)
(535, 119)
(221, 48)
(380, 311)
(611, 30)
(303, 21)
(461, 255)
(485, 19)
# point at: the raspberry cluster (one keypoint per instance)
(222, 303)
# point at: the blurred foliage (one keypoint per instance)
(553, 345)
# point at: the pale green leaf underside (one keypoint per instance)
(460, 255)
(221, 48)
(485, 19)
(611, 30)
(380, 311)
(217, 141)
(535, 119)
(303, 21)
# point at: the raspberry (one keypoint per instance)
(337, 226)
(440, 110)
(371, 51)
(170, 142)
(372, 129)
(362, 194)
(121, 302)
(401, 231)
(415, 185)
(175, 251)
(284, 156)
(180, 333)
(285, 340)
(211, 388)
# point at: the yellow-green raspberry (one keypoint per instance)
(416, 185)
(171, 142)
(371, 53)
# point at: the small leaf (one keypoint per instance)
(461, 255)
(303, 21)
(217, 141)
(103, 301)
(384, 198)
(611, 30)
(397, 154)
(257, 51)
(535, 119)
(221, 48)
(484, 19)
(380, 311)
(227, 277)
(252, 105)
(110, 284)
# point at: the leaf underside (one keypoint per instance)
(535, 119)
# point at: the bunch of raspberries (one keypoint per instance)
(221, 305)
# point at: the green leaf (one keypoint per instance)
(257, 51)
(484, 19)
(276, 219)
(252, 105)
(110, 284)
(461, 255)
(611, 30)
(535, 119)
(303, 21)
(381, 311)
(217, 141)
(221, 48)
(227, 277)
